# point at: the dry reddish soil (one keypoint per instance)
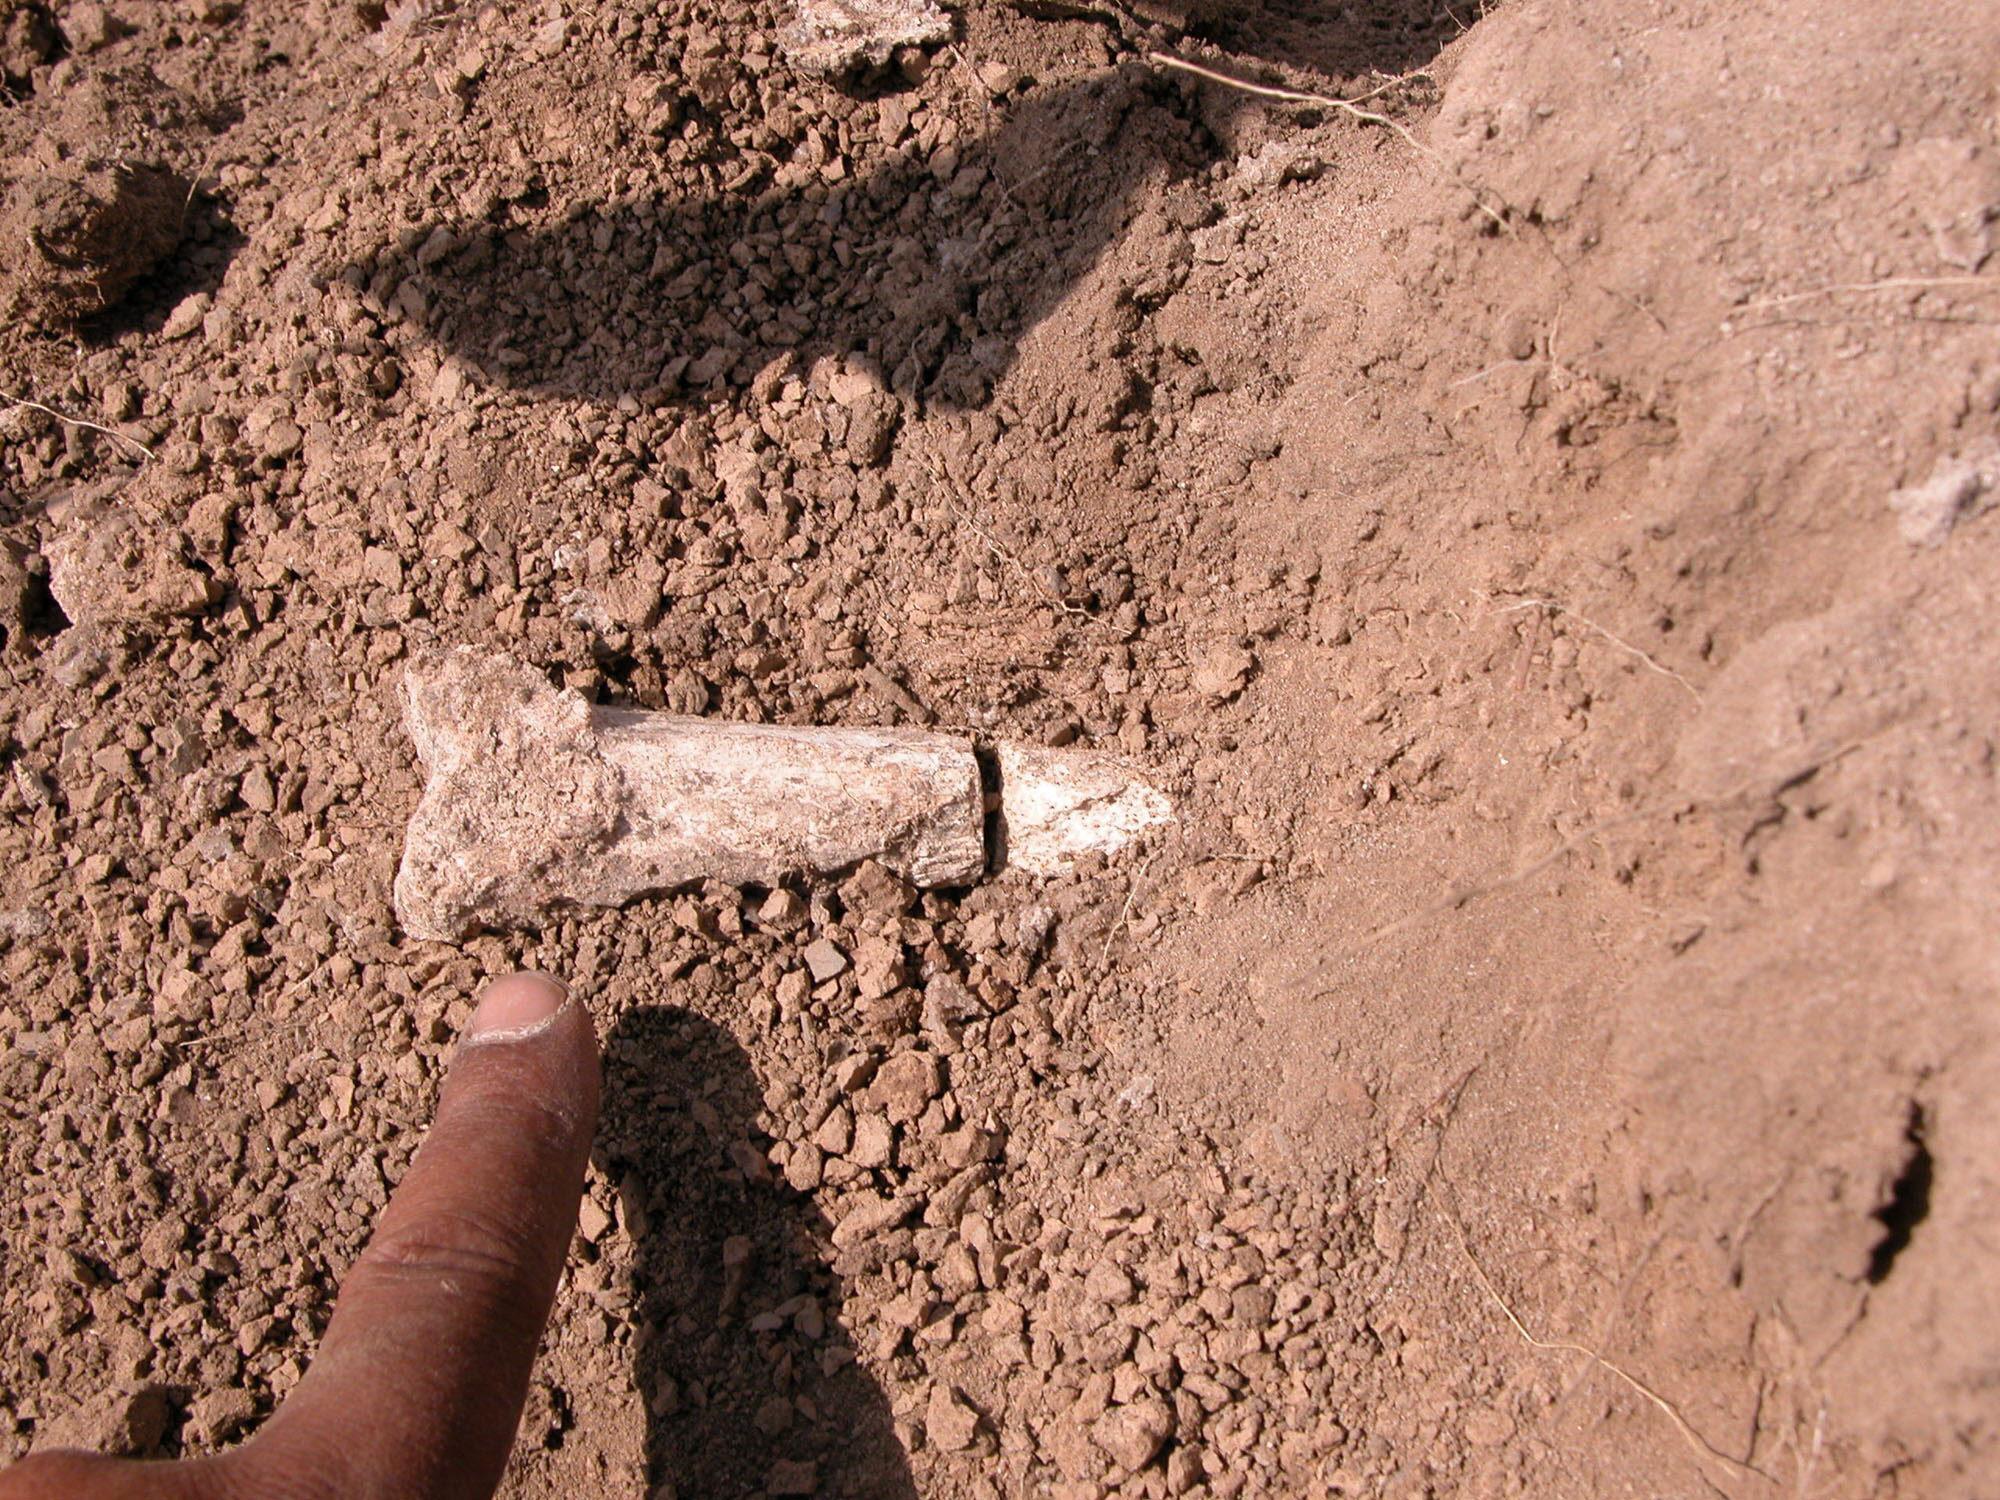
(1544, 542)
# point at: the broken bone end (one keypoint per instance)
(1057, 808)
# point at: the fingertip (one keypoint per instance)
(517, 1007)
(437, 1325)
(530, 1052)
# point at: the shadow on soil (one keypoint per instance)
(928, 270)
(742, 1363)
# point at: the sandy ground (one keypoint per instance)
(1541, 536)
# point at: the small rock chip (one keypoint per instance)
(871, 430)
(282, 439)
(1108, 1283)
(998, 78)
(905, 1084)
(874, 1142)
(874, 891)
(1223, 672)
(217, 1416)
(591, 1220)
(256, 790)
(160, 1246)
(1133, 1435)
(855, 1072)
(836, 1132)
(871, 1215)
(782, 911)
(805, 1167)
(825, 960)
(948, 1422)
(878, 967)
(124, 1422)
(948, 1004)
(187, 317)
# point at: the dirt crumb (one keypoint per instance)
(29, 38)
(129, 1422)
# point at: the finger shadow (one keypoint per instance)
(750, 1384)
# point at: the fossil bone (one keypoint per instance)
(537, 800)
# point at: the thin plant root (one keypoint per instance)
(1350, 107)
(1295, 96)
(1623, 645)
(14, 402)
(1887, 284)
(1702, 1446)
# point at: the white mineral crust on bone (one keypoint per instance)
(535, 800)
(1057, 806)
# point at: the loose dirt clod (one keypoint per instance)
(109, 567)
(1960, 487)
(122, 1421)
(77, 236)
(28, 38)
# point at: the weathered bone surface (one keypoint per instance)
(1058, 806)
(536, 800)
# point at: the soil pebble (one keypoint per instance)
(129, 1422)
(28, 39)
(1959, 488)
(109, 568)
(218, 1416)
(1133, 1435)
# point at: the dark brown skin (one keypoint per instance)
(418, 1386)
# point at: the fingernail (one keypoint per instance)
(515, 1008)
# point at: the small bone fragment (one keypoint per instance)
(537, 800)
(835, 37)
(1057, 806)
